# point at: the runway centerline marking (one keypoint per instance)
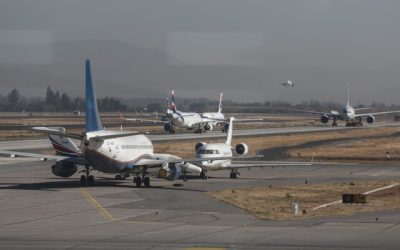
(104, 212)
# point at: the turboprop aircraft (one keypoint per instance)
(110, 151)
(206, 151)
(189, 120)
(348, 113)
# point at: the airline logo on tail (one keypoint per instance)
(173, 105)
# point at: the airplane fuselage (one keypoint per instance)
(347, 113)
(215, 150)
(115, 155)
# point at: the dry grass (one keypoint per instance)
(376, 149)
(275, 203)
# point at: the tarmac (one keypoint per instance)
(40, 211)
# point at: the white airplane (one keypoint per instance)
(206, 151)
(348, 113)
(289, 83)
(191, 121)
(109, 151)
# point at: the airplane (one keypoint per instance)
(289, 83)
(109, 151)
(348, 113)
(189, 120)
(206, 151)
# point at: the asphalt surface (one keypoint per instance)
(41, 211)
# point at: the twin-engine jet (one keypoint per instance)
(348, 114)
(288, 83)
(218, 150)
(199, 122)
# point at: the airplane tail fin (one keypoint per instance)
(220, 103)
(92, 114)
(173, 104)
(348, 95)
(230, 131)
(63, 145)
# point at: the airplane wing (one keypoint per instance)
(332, 114)
(378, 113)
(44, 157)
(141, 120)
(237, 165)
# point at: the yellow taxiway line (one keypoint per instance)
(104, 212)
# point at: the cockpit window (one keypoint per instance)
(207, 152)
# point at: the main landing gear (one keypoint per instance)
(138, 180)
(203, 175)
(87, 178)
(234, 174)
(334, 124)
(354, 123)
(199, 129)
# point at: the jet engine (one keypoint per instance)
(199, 145)
(208, 127)
(170, 171)
(64, 168)
(167, 127)
(324, 119)
(370, 119)
(241, 149)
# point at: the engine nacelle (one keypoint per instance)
(199, 145)
(241, 149)
(208, 127)
(64, 168)
(324, 119)
(167, 127)
(370, 119)
(170, 171)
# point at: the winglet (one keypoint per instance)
(230, 130)
(92, 115)
(220, 103)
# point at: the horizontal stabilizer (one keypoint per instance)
(52, 131)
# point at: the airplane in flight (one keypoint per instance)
(288, 83)
(348, 114)
(206, 151)
(109, 151)
(189, 120)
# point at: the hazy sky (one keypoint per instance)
(321, 44)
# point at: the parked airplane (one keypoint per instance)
(110, 151)
(207, 151)
(348, 113)
(288, 83)
(189, 120)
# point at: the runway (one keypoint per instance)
(158, 138)
(40, 211)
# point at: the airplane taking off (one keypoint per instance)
(348, 113)
(289, 83)
(206, 151)
(110, 151)
(191, 121)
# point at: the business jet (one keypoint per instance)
(348, 114)
(288, 83)
(206, 151)
(189, 120)
(109, 151)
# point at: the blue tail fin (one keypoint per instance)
(92, 115)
